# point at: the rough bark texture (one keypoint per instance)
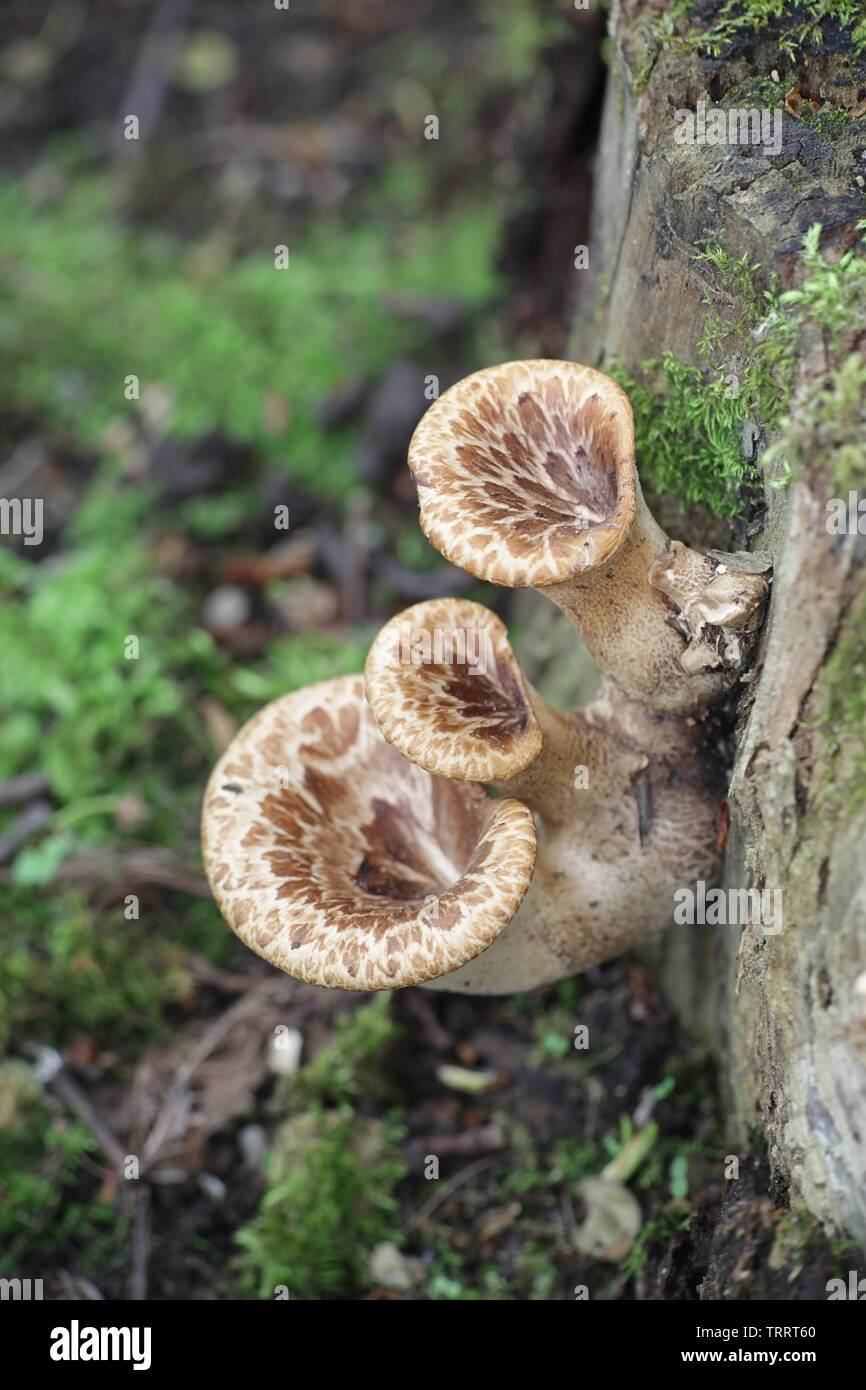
(790, 1024)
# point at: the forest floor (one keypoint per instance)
(177, 1121)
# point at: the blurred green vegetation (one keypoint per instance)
(88, 302)
(89, 297)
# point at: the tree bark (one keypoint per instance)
(788, 1010)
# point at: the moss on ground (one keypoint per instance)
(331, 1174)
(42, 1204)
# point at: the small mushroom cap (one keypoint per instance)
(525, 472)
(345, 865)
(446, 689)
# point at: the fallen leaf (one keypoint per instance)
(612, 1221)
(496, 1220)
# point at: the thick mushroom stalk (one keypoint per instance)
(340, 862)
(624, 803)
(526, 478)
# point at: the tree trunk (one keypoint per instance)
(788, 1008)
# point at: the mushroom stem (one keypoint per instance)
(611, 856)
(624, 620)
(572, 768)
(633, 612)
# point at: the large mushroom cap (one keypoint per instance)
(525, 472)
(446, 690)
(345, 865)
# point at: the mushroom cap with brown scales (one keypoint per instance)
(526, 473)
(445, 688)
(343, 864)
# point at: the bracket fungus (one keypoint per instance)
(623, 802)
(346, 865)
(376, 858)
(526, 478)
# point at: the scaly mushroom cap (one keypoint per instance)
(446, 690)
(525, 472)
(345, 865)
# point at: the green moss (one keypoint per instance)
(689, 420)
(42, 1170)
(830, 120)
(740, 281)
(351, 1061)
(832, 296)
(796, 28)
(799, 1237)
(655, 1234)
(76, 705)
(296, 660)
(331, 1175)
(661, 29)
(828, 429)
(63, 967)
(687, 435)
(329, 1201)
(447, 1280)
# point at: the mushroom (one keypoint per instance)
(526, 478)
(351, 843)
(476, 719)
(624, 804)
(344, 864)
